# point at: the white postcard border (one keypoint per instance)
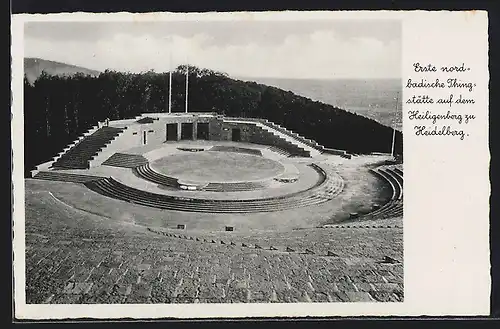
(444, 274)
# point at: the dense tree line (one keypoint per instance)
(59, 109)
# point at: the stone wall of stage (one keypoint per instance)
(155, 133)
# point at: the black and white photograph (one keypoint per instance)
(250, 165)
(213, 161)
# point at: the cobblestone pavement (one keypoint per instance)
(77, 257)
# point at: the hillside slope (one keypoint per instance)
(33, 68)
(377, 99)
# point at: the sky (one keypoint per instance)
(326, 49)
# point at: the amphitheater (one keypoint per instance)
(203, 208)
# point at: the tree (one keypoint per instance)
(58, 109)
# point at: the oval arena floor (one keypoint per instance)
(169, 244)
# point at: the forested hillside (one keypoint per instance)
(33, 68)
(57, 109)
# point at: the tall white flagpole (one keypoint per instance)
(170, 84)
(393, 139)
(187, 79)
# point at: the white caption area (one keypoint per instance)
(446, 220)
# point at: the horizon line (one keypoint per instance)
(238, 77)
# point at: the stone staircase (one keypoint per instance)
(279, 132)
(124, 160)
(78, 156)
(45, 166)
(273, 131)
(65, 177)
(293, 135)
(306, 141)
(146, 172)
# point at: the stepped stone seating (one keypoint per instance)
(321, 192)
(65, 177)
(78, 156)
(304, 140)
(333, 184)
(397, 179)
(312, 241)
(279, 151)
(394, 207)
(265, 137)
(294, 135)
(391, 209)
(346, 156)
(85, 270)
(236, 186)
(398, 169)
(395, 184)
(146, 172)
(125, 160)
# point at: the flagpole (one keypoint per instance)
(393, 138)
(170, 84)
(187, 79)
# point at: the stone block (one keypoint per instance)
(77, 288)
